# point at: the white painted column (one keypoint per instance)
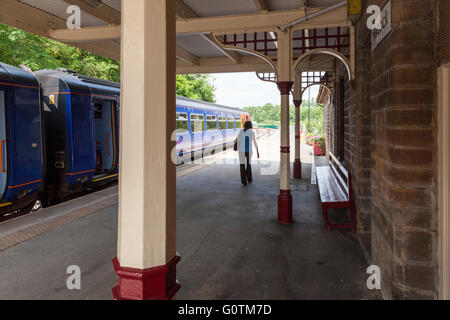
(147, 181)
(284, 60)
(297, 104)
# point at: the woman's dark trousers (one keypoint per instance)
(246, 172)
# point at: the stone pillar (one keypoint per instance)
(297, 104)
(285, 84)
(146, 259)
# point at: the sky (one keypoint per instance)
(245, 89)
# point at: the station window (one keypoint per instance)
(197, 123)
(230, 123)
(222, 123)
(211, 123)
(182, 121)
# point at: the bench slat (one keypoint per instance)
(329, 188)
(342, 182)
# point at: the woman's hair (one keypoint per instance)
(248, 125)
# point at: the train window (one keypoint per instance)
(230, 123)
(222, 123)
(197, 123)
(182, 121)
(211, 123)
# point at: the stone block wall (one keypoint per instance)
(390, 145)
(404, 152)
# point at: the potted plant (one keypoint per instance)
(319, 145)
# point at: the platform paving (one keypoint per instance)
(231, 245)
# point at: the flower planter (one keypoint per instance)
(319, 149)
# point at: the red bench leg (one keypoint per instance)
(325, 218)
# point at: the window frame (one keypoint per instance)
(212, 118)
(197, 118)
(186, 120)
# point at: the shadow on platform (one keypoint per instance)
(231, 246)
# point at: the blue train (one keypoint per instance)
(203, 128)
(59, 134)
(81, 130)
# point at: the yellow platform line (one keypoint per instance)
(104, 178)
(5, 204)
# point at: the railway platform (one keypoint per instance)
(230, 245)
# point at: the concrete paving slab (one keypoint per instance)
(230, 243)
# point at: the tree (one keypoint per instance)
(270, 114)
(18, 47)
(196, 86)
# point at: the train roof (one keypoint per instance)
(187, 102)
(76, 80)
(17, 75)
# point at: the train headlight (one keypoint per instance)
(84, 179)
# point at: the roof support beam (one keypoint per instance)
(91, 34)
(219, 25)
(261, 5)
(102, 12)
(220, 65)
(186, 56)
(261, 22)
(185, 12)
(234, 56)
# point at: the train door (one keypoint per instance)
(3, 146)
(104, 124)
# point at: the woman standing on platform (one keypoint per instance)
(244, 146)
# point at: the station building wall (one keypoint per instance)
(390, 143)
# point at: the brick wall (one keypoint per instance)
(444, 31)
(357, 132)
(390, 145)
(403, 179)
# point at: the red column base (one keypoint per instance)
(157, 283)
(285, 207)
(297, 169)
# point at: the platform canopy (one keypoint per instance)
(254, 22)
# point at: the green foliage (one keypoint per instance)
(270, 114)
(315, 114)
(18, 47)
(196, 86)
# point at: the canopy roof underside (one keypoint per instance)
(197, 51)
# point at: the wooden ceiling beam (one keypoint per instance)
(107, 14)
(185, 12)
(186, 56)
(261, 5)
(222, 25)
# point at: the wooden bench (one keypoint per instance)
(335, 187)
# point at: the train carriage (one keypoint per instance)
(204, 128)
(59, 134)
(21, 146)
(82, 125)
